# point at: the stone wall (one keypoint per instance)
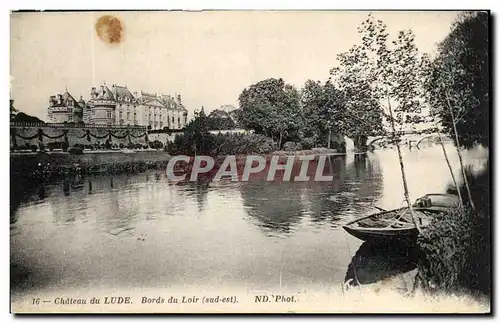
(27, 135)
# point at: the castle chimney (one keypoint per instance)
(135, 94)
(102, 89)
(59, 99)
(179, 98)
(93, 93)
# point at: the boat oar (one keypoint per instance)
(380, 209)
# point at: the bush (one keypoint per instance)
(292, 146)
(224, 144)
(241, 144)
(444, 245)
(55, 145)
(121, 145)
(76, 150)
(308, 143)
(455, 253)
(156, 144)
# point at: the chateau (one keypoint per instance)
(118, 106)
(64, 108)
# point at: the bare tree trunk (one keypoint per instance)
(451, 170)
(279, 142)
(457, 146)
(402, 166)
(329, 137)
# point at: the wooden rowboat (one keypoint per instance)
(398, 224)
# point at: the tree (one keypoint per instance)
(459, 78)
(23, 117)
(13, 111)
(323, 108)
(271, 107)
(457, 85)
(196, 133)
(220, 120)
(363, 115)
(387, 72)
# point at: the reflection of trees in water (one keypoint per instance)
(275, 205)
(199, 189)
(279, 205)
(123, 211)
(365, 175)
(21, 191)
(326, 202)
(375, 262)
(354, 188)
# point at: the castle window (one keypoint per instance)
(135, 116)
(108, 114)
(128, 115)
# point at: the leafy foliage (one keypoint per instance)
(271, 107)
(444, 247)
(226, 144)
(196, 135)
(241, 144)
(292, 146)
(379, 73)
(458, 79)
(23, 117)
(220, 120)
(456, 249)
(13, 110)
(323, 108)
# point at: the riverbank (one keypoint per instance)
(306, 152)
(90, 160)
(102, 160)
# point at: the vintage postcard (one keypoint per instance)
(250, 162)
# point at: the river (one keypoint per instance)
(142, 231)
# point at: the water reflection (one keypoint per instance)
(214, 231)
(259, 199)
(376, 262)
(356, 185)
(199, 191)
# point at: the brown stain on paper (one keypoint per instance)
(109, 29)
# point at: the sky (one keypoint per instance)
(208, 57)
